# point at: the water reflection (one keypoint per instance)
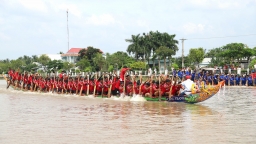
(228, 117)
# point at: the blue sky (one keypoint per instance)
(32, 27)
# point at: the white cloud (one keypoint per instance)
(4, 37)
(221, 4)
(1, 20)
(73, 9)
(142, 23)
(193, 28)
(36, 5)
(104, 19)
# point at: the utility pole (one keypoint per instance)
(67, 30)
(183, 51)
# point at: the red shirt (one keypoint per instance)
(91, 86)
(85, 83)
(10, 72)
(129, 89)
(145, 89)
(99, 86)
(175, 89)
(60, 75)
(74, 85)
(122, 73)
(121, 89)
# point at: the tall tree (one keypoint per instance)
(44, 59)
(88, 53)
(83, 63)
(135, 46)
(119, 59)
(163, 52)
(99, 61)
(196, 55)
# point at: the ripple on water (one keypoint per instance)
(228, 117)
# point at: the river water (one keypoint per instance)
(34, 118)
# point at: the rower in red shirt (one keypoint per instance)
(122, 72)
(176, 89)
(121, 88)
(99, 86)
(145, 89)
(129, 89)
(105, 86)
(84, 84)
(91, 85)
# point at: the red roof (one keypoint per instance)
(74, 50)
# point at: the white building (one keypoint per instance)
(52, 56)
(205, 62)
(71, 55)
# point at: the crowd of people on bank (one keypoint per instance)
(211, 78)
(113, 84)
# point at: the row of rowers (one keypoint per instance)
(99, 86)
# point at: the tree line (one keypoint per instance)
(142, 49)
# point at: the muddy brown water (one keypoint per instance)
(34, 118)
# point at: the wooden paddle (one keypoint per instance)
(77, 84)
(140, 84)
(62, 91)
(150, 89)
(81, 90)
(246, 81)
(124, 84)
(240, 83)
(160, 96)
(88, 81)
(110, 87)
(103, 80)
(95, 82)
(53, 83)
(35, 87)
(229, 80)
(172, 84)
(133, 90)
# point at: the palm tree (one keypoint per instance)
(135, 46)
(34, 58)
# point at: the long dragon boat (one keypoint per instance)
(203, 95)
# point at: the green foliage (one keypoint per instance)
(141, 46)
(164, 52)
(88, 69)
(40, 71)
(231, 53)
(83, 63)
(30, 67)
(252, 63)
(3, 67)
(77, 71)
(16, 64)
(110, 68)
(196, 55)
(175, 66)
(178, 61)
(60, 70)
(88, 53)
(99, 61)
(67, 65)
(138, 65)
(44, 59)
(119, 59)
(55, 64)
